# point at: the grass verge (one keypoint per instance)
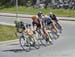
(27, 10)
(7, 33)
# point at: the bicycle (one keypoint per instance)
(51, 34)
(27, 41)
(24, 43)
(43, 39)
(40, 36)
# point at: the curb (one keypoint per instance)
(9, 24)
(67, 20)
(29, 16)
(14, 15)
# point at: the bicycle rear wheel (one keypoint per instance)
(41, 38)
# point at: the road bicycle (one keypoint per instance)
(28, 41)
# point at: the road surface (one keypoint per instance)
(63, 47)
(10, 20)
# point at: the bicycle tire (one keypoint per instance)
(41, 38)
(24, 43)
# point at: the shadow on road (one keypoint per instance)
(13, 44)
(21, 50)
(18, 50)
(14, 50)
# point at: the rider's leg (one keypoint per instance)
(45, 32)
(57, 32)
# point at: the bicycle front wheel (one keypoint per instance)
(24, 43)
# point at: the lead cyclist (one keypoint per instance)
(53, 17)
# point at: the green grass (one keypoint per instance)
(26, 10)
(7, 33)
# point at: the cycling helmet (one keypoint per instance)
(28, 25)
(39, 14)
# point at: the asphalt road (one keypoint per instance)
(63, 47)
(10, 20)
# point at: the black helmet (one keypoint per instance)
(28, 25)
(39, 14)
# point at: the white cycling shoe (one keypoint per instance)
(58, 34)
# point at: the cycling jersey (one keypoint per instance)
(37, 23)
(29, 32)
(48, 21)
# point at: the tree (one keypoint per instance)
(33, 2)
(46, 3)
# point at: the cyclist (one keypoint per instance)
(48, 21)
(36, 22)
(53, 17)
(49, 24)
(37, 25)
(19, 25)
(29, 32)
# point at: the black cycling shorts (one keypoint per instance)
(37, 24)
